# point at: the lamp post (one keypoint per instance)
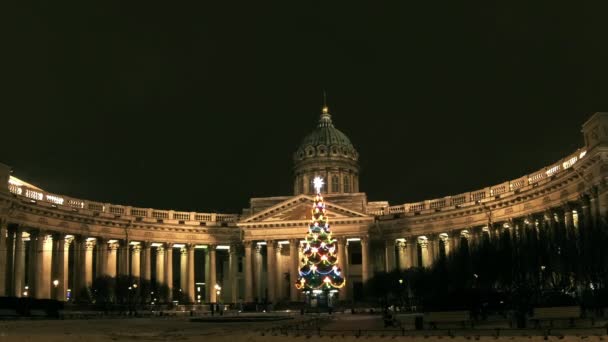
(55, 294)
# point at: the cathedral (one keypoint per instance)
(53, 245)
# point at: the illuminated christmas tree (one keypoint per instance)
(319, 273)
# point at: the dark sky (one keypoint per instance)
(200, 107)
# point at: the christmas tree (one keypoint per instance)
(320, 270)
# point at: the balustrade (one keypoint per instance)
(68, 203)
(480, 195)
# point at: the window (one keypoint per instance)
(335, 183)
(300, 185)
(346, 184)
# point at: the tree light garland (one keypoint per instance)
(319, 268)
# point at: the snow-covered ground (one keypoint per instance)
(181, 329)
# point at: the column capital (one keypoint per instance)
(160, 249)
(89, 244)
(113, 246)
(169, 245)
(248, 244)
(68, 241)
(136, 248)
(183, 250)
(211, 247)
(364, 239)
(145, 245)
(401, 244)
(423, 242)
(389, 242)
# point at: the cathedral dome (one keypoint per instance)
(328, 153)
(326, 141)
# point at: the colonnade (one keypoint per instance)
(50, 259)
(424, 250)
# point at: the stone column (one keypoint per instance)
(424, 247)
(212, 274)
(259, 289)
(454, 242)
(208, 284)
(390, 255)
(279, 273)
(77, 274)
(102, 257)
(183, 276)
(233, 263)
(160, 265)
(88, 263)
(59, 267)
(135, 261)
(31, 251)
(111, 260)
(41, 288)
(404, 263)
(248, 272)
(445, 239)
(146, 262)
(594, 203)
(123, 258)
(19, 266)
(568, 217)
(10, 262)
(66, 266)
(342, 261)
(47, 267)
(169, 271)
(294, 268)
(365, 259)
(586, 212)
(191, 293)
(3, 257)
(270, 269)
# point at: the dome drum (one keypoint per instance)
(326, 152)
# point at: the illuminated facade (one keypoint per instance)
(51, 243)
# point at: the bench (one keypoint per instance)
(462, 317)
(37, 313)
(569, 313)
(8, 313)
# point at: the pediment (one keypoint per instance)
(298, 208)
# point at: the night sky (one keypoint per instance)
(174, 106)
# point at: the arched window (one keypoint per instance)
(300, 185)
(346, 183)
(335, 183)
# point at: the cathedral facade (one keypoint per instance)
(53, 245)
